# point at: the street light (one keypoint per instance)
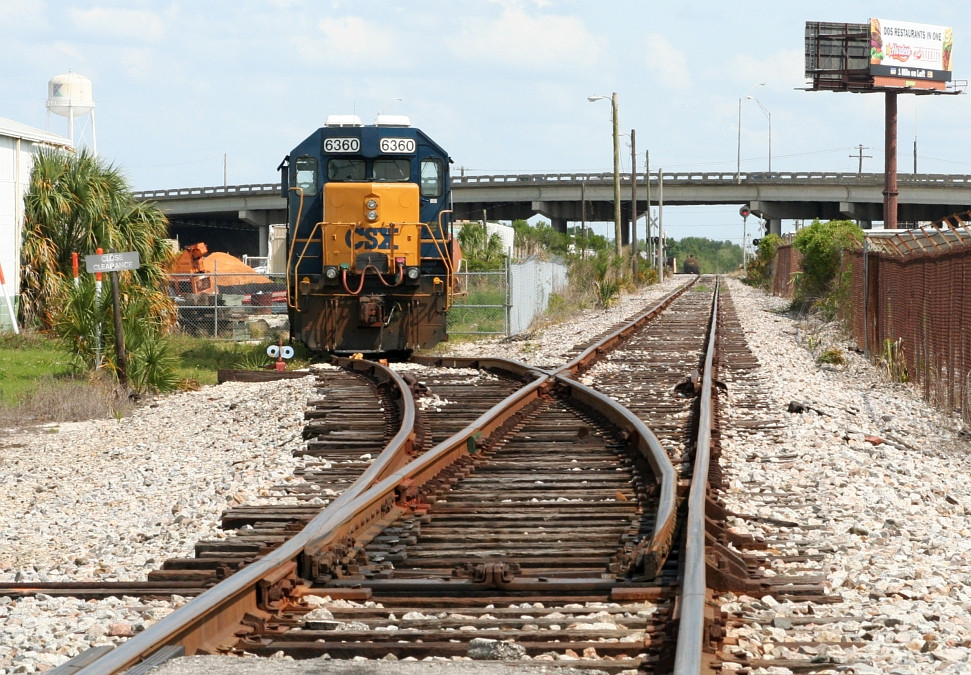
(390, 103)
(768, 116)
(617, 224)
(738, 165)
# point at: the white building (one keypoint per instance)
(19, 144)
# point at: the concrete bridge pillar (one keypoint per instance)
(559, 224)
(261, 219)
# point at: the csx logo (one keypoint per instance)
(370, 238)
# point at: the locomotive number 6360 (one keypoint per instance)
(402, 146)
(336, 145)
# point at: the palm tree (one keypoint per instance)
(481, 250)
(77, 203)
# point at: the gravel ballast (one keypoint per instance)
(111, 499)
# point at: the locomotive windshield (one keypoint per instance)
(431, 177)
(395, 170)
(307, 175)
(345, 169)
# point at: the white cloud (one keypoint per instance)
(516, 39)
(128, 25)
(350, 42)
(665, 63)
(781, 71)
(23, 15)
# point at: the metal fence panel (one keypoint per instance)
(505, 302)
(230, 306)
(235, 307)
(532, 282)
(481, 306)
(911, 313)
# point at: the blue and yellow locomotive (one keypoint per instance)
(370, 254)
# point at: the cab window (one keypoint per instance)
(345, 168)
(392, 169)
(432, 177)
(306, 178)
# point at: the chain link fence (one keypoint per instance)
(505, 301)
(230, 306)
(245, 307)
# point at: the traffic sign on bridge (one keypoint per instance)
(112, 262)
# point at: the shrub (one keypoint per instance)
(832, 355)
(85, 323)
(759, 269)
(822, 245)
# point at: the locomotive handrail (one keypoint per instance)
(446, 256)
(293, 243)
(447, 259)
(306, 244)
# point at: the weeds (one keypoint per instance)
(69, 400)
(892, 360)
(833, 356)
(607, 293)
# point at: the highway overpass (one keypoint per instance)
(236, 218)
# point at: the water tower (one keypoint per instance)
(69, 96)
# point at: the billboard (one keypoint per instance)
(911, 51)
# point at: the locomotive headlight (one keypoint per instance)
(371, 204)
(330, 273)
(372, 215)
(412, 274)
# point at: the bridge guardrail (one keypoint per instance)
(825, 177)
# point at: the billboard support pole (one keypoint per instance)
(890, 163)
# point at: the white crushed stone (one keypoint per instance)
(896, 513)
(110, 500)
(192, 452)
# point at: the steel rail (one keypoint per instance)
(243, 593)
(691, 626)
(265, 581)
(391, 480)
(401, 447)
(404, 484)
(592, 354)
(506, 367)
(651, 554)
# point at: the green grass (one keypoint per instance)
(26, 360)
(38, 383)
(481, 310)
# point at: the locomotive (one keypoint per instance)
(691, 265)
(371, 257)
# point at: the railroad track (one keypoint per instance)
(531, 506)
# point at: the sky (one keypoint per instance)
(189, 92)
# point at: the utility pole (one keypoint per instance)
(583, 221)
(618, 234)
(633, 205)
(660, 225)
(860, 154)
(647, 181)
